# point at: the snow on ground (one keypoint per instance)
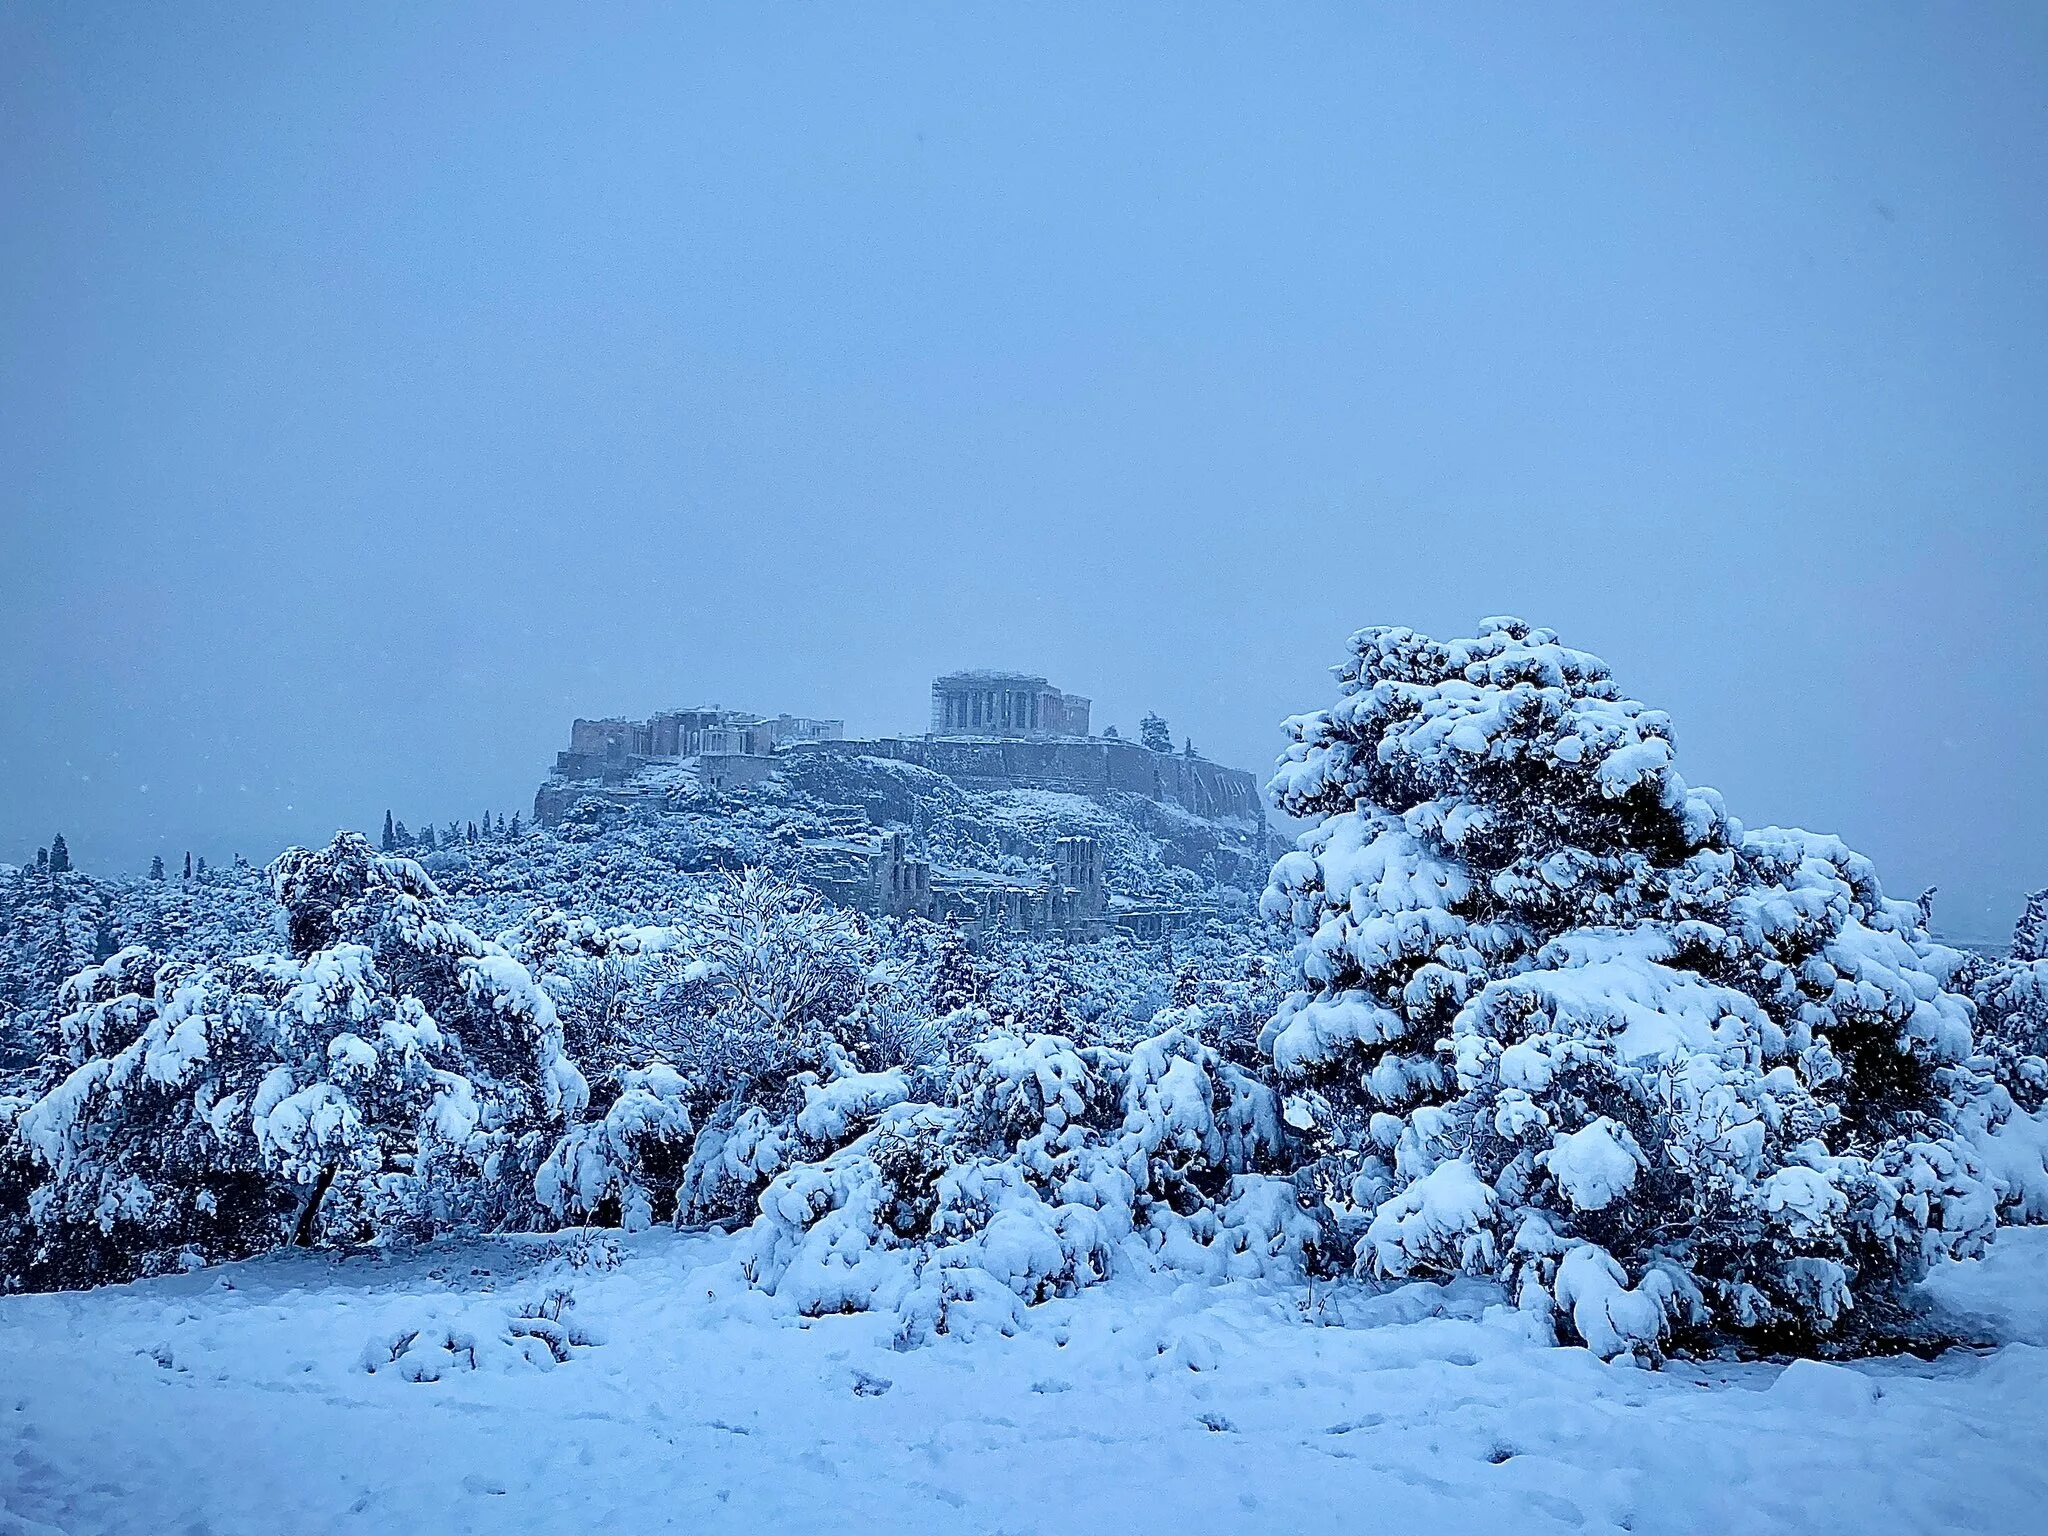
(285, 1395)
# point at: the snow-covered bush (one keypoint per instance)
(1563, 1019)
(623, 1167)
(1049, 1161)
(734, 1156)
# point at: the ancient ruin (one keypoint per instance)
(1004, 704)
(597, 745)
(990, 732)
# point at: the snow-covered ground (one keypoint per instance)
(281, 1395)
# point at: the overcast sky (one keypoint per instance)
(382, 386)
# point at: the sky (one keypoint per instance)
(382, 386)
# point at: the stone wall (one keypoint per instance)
(1095, 766)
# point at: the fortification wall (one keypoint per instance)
(1090, 766)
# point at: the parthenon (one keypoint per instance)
(1004, 704)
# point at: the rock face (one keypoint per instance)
(1093, 766)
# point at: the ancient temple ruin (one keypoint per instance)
(1004, 704)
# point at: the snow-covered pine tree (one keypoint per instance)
(142, 1154)
(957, 982)
(2030, 933)
(477, 1158)
(389, 842)
(1154, 734)
(60, 855)
(1568, 1022)
(156, 867)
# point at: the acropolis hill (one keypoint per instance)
(991, 734)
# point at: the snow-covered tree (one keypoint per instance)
(1565, 1020)
(765, 974)
(2030, 933)
(393, 1058)
(477, 1155)
(957, 982)
(1154, 734)
(143, 1153)
(60, 855)
(156, 867)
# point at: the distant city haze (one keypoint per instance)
(381, 388)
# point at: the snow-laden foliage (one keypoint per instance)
(622, 1167)
(53, 924)
(1050, 1163)
(209, 1109)
(1562, 1019)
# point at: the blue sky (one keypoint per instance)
(382, 386)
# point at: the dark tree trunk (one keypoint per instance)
(309, 1218)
